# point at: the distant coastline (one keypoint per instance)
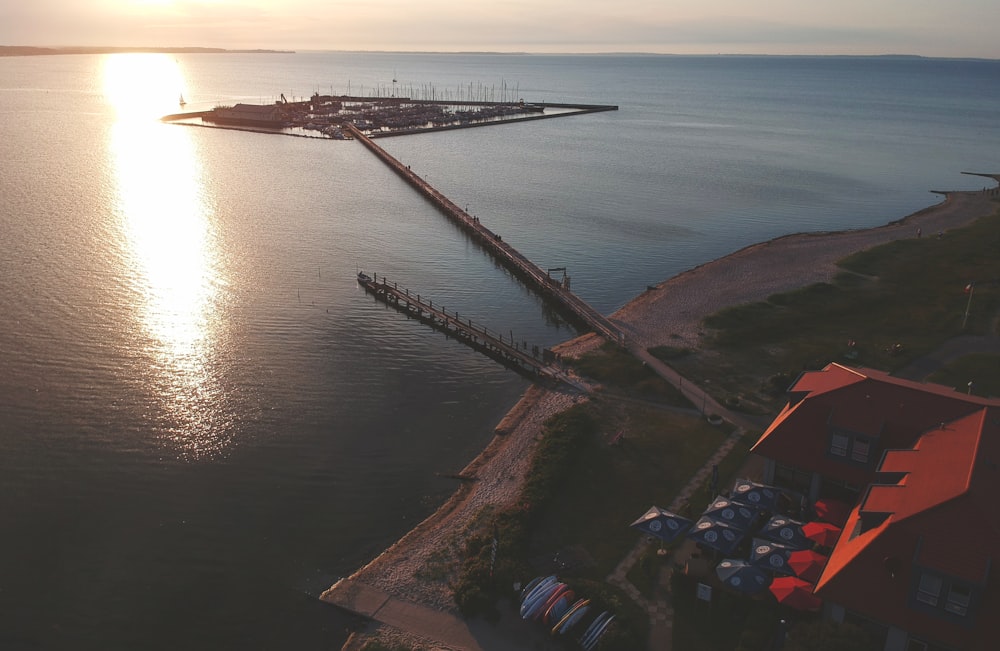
(27, 50)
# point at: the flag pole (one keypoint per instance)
(972, 289)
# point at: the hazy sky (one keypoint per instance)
(953, 28)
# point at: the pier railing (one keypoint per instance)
(534, 361)
(540, 281)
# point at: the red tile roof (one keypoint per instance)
(941, 515)
(933, 503)
(891, 411)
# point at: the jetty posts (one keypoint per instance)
(535, 278)
(538, 364)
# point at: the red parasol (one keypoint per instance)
(823, 534)
(795, 593)
(807, 564)
(833, 511)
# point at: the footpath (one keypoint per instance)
(447, 632)
(661, 613)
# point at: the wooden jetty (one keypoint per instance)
(540, 281)
(534, 362)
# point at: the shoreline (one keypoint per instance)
(416, 568)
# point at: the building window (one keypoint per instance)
(839, 445)
(860, 450)
(929, 589)
(958, 599)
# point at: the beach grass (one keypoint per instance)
(891, 304)
(620, 372)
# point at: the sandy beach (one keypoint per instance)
(418, 566)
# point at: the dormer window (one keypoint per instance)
(944, 596)
(860, 450)
(929, 589)
(959, 597)
(839, 445)
(850, 446)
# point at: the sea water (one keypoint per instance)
(204, 422)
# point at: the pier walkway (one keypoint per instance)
(537, 279)
(537, 363)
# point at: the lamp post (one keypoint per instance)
(970, 387)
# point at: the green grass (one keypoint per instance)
(908, 292)
(610, 486)
(621, 372)
(982, 370)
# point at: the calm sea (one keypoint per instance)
(204, 422)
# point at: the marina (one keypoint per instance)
(330, 116)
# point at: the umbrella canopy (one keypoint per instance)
(753, 494)
(715, 534)
(832, 511)
(823, 534)
(795, 593)
(742, 576)
(807, 564)
(771, 556)
(663, 524)
(739, 515)
(785, 531)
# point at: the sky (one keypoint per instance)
(940, 28)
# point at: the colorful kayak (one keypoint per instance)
(600, 633)
(538, 614)
(592, 629)
(577, 610)
(537, 598)
(559, 608)
(532, 594)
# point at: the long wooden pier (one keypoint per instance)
(537, 363)
(537, 279)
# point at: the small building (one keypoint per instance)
(914, 564)
(251, 115)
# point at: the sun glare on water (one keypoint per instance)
(169, 243)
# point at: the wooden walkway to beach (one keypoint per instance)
(535, 278)
(535, 362)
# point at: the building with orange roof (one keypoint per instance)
(915, 562)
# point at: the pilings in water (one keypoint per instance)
(537, 363)
(540, 281)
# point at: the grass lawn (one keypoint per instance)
(612, 485)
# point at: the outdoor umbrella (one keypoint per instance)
(663, 524)
(753, 494)
(715, 534)
(795, 593)
(739, 515)
(832, 511)
(807, 564)
(785, 531)
(823, 534)
(771, 556)
(742, 576)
